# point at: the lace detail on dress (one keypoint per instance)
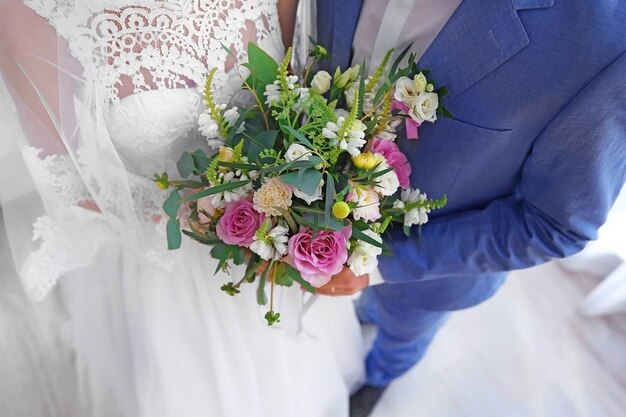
(55, 176)
(157, 44)
(58, 253)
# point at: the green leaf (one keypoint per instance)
(264, 140)
(224, 252)
(172, 204)
(294, 274)
(313, 160)
(186, 165)
(357, 234)
(174, 237)
(280, 275)
(361, 90)
(201, 239)
(262, 66)
(237, 165)
(201, 160)
(330, 195)
(399, 59)
(229, 186)
(299, 136)
(306, 180)
(261, 296)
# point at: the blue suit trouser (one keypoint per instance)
(403, 336)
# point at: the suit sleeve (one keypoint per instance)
(569, 181)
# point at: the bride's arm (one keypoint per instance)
(26, 40)
(287, 18)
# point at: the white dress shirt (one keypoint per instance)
(386, 24)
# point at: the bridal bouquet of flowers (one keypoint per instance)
(308, 178)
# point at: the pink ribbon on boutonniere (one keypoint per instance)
(411, 125)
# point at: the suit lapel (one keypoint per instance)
(345, 20)
(479, 37)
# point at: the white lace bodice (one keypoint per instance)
(147, 61)
(158, 44)
(163, 49)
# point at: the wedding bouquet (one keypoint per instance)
(308, 178)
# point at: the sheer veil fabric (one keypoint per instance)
(153, 334)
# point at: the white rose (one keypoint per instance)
(424, 107)
(361, 265)
(405, 90)
(297, 152)
(419, 82)
(321, 82)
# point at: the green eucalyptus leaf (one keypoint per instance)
(186, 165)
(172, 204)
(306, 180)
(174, 237)
(264, 140)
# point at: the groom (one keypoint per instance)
(531, 162)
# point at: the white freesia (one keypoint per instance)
(417, 215)
(272, 94)
(321, 82)
(272, 245)
(424, 107)
(352, 141)
(210, 129)
(368, 204)
(220, 200)
(297, 152)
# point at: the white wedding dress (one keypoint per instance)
(154, 335)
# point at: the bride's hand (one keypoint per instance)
(344, 283)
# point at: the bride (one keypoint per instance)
(108, 93)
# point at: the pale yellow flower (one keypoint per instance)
(272, 197)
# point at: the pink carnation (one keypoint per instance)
(319, 257)
(395, 158)
(239, 223)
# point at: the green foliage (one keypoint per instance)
(172, 204)
(174, 236)
(263, 68)
(272, 317)
(295, 275)
(229, 186)
(305, 179)
(264, 140)
(375, 78)
(230, 289)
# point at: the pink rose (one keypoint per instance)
(319, 258)
(239, 223)
(395, 158)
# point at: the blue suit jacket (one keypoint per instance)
(535, 154)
